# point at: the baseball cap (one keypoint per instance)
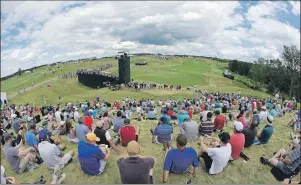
(182, 140)
(224, 137)
(92, 137)
(99, 123)
(127, 121)
(270, 119)
(43, 135)
(133, 148)
(7, 136)
(238, 126)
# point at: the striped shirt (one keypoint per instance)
(206, 127)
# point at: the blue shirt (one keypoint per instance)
(181, 116)
(118, 123)
(151, 114)
(167, 118)
(89, 156)
(31, 139)
(273, 112)
(95, 112)
(178, 161)
(266, 134)
(81, 131)
(163, 133)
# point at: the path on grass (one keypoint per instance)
(31, 87)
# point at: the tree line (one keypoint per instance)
(278, 75)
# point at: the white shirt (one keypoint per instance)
(49, 153)
(138, 109)
(76, 116)
(204, 114)
(263, 115)
(57, 116)
(220, 157)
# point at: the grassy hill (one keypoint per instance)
(199, 73)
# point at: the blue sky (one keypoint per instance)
(41, 32)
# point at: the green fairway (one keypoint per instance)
(200, 73)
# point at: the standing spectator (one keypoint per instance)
(92, 159)
(207, 127)
(237, 140)
(135, 169)
(178, 160)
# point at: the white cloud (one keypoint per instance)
(56, 32)
(295, 7)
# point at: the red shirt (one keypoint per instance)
(190, 114)
(127, 134)
(219, 122)
(237, 141)
(117, 106)
(243, 121)
(203, 107)
(289, 105)
(88, 121)
(170, 113)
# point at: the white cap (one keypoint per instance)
(270, 119)
(62, 123)
(14, 115)
(238, 126)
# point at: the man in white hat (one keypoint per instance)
(266, 133)
(237, 140)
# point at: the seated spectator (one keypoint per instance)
(106, 121)
(263, 114)
(162, 133)
(190, 129)
(31, 138)
(92, 158)
(250, 133)
(88, 121)
(203, 115)
(273, 111)
(128, 133)
(118, 122)
(71, 132)
(152, 114)
(246, 119)
(62, 127)
(81, 130)
(104, 136)
(182, 115)
(216, 157)
(19, 159)
(266, 133)
(207, 127)
(52, 154)
(237, 140)
(178, 160)
(219, 122)
(135, 169)
(287, 162)
(164, 114)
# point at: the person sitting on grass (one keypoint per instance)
(217, 156)
(31, 138)
(104, 136)
(219, 122)
(266, 133)
(19, 159)
(52, 154)
(118, 122)
(164, 114)
(250, 133)
(81, 130)
(152, 114)
(92, 158)
(134, 168)
(207, 127)
(287, 162)
(190, 129)
(162, 133)
(128, 133)
(237, 140)
(178, 160)
(182, 115)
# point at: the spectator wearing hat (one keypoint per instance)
(237, 140)
(178, 160)
(18, 159)
(216, 158)
(135, 169)
(266, 133)
(162, 133)
(104, 135)
(52, 154)
(118, 122)
(219, 122)
(92, 158)
(31, 138)
(207, 127)
(81, 130)
(128, 133)
(287, 162)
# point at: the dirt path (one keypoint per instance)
(31, 87)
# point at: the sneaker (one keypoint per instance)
(264, 161)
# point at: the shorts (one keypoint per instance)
(280, 165)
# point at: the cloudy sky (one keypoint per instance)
(36, 33)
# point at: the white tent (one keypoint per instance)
(3, 97)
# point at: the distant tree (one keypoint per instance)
(19, 72)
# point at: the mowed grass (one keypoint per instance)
(198, 73)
